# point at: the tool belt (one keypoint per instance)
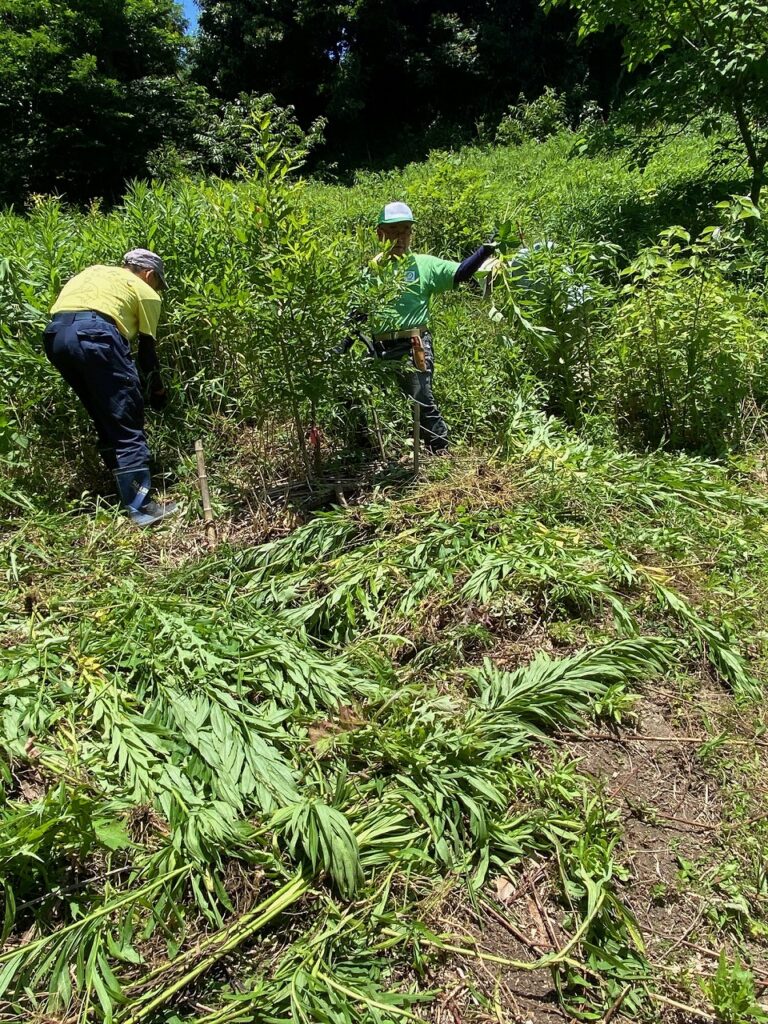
(382, 343)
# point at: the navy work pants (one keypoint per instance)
(417, 384)
(95, 360)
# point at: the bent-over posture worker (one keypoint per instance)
(97, 315)
(402, 329)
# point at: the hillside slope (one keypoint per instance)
(482, 746)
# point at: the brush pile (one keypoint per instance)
(242, 788)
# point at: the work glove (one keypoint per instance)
(158, 399)
(343, 346)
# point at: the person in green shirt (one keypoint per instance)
(401, 331)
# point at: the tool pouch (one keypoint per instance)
(418, 354)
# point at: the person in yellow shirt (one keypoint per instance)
(98, 315)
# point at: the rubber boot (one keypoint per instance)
(133, 487)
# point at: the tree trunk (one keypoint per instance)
(755, 157)
(757, 183)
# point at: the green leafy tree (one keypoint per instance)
(227, 140)
(709, 57)
(278, 47)
(87, 89)
(398, 77)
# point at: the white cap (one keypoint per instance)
(396, 213)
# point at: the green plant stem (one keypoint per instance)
(104, 911)
(559, 956)
(246, 927)
(359, 997)
(210, 940)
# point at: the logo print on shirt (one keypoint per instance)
(410, 276)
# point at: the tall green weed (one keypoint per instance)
(689, 348)
(264, 271)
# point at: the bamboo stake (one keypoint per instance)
(416, 436)
(202, 479)
(379, 438)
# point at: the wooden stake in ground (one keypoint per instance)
(379, 437)
(202, 480)
(416, 436)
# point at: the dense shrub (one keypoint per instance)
(539, 119)
(688, 348)
(558, 298)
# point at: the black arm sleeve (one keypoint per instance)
(472, 263)
(147, 361)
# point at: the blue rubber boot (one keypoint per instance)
(133, 486)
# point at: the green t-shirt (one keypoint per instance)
(423, 277)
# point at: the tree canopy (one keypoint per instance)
(87, 89)
(95, 92)
(394, 78)
(707, 57)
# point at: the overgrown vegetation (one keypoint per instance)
(657, 336)
(287, 779)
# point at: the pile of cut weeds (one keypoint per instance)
(482, 747)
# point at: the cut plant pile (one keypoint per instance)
(413, 760)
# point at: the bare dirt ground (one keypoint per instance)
(675, 812)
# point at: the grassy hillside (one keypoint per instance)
(264, 272)
(484, 744)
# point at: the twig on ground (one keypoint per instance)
(588, 737)
(615, 1006)
(704, 950)
(529, 879)
(548, 927)
(512, 929)
(688, 821)
(688, 931)
(685, 1007)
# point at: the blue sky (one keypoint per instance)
(190, 13)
